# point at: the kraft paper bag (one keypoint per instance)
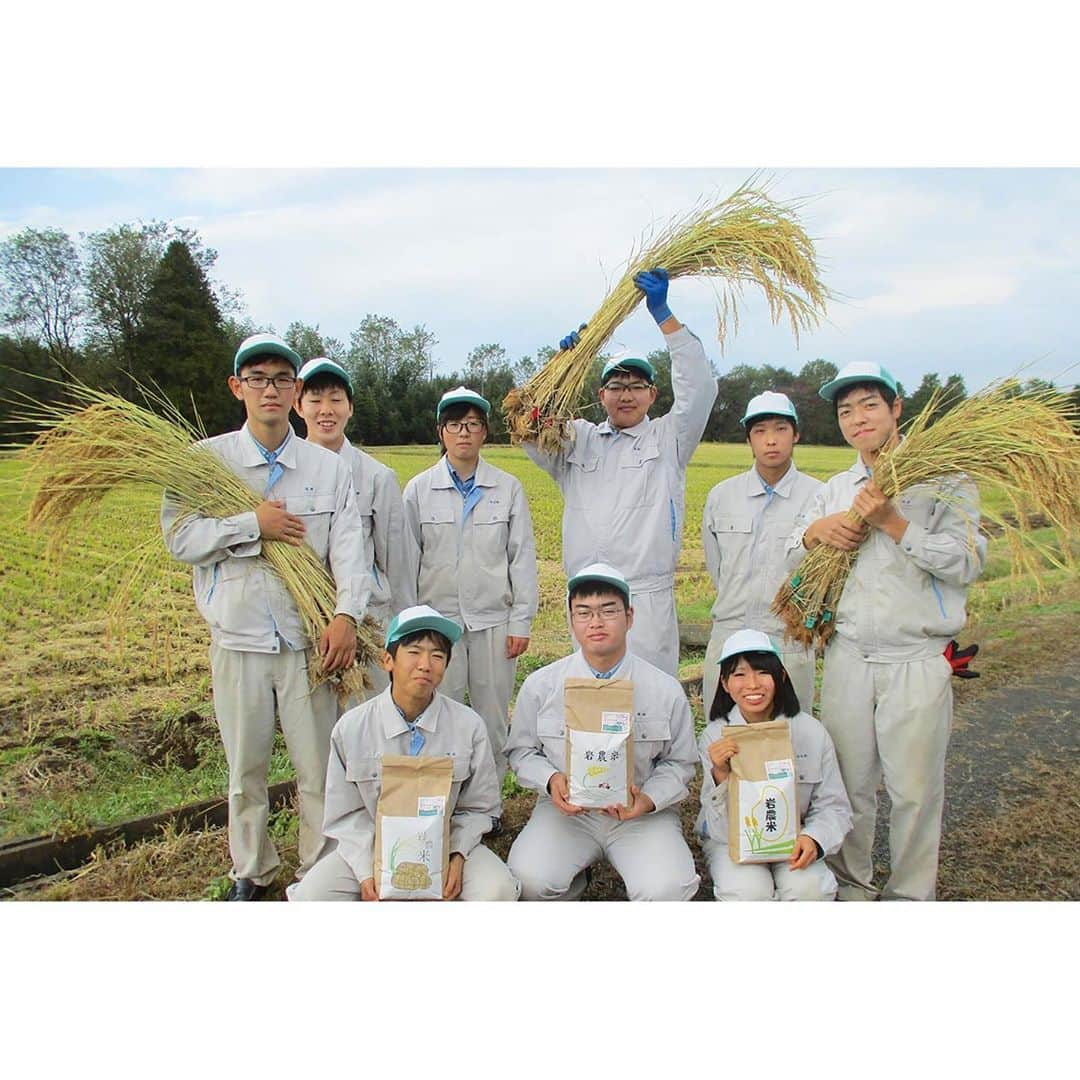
(412, 827)
(599, 743)
(763, 805)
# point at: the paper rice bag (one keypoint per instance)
(412, 827)
(763, 804)
(599, 747)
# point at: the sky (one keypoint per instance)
(966, 270)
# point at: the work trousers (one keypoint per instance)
(249, 688)
(484, 877)
(478, 664)
(890, 719)
(798, 663)
(655, 633)
(765, 881)
(553, 851)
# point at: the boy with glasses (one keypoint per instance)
(886, 698)
(624, 480)
(744, 530)
(643, 841)
(259, 651)
(474, 560)
(325, 403)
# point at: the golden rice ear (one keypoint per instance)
(745, 239)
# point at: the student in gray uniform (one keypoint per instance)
(885, 693)
(642, 841)
(259, 650)
(623, 481)
(744, 531)
(754, 687)
(474, 559)
(409, 717)
(325, 403)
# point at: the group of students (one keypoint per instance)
(452, 560)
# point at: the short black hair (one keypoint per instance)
(325, 380)
(594, 587)
(785, 700)
(458, 410)
(425, 634)
(770, 416)
(870, 384)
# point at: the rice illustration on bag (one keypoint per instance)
(599, 744)
(763, 807)
(412, 829)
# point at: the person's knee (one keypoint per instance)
(673, 887)
(808, 884)
(745, 890)
(499, 885)
(536, 882)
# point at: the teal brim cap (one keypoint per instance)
(600, 572)
(320, 365)
(462, 395)
(626, 363)
(856, 372)
(421, 617)
(744, 641)
(770, 403)
(264, 345)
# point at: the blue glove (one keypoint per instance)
(653, 283)
(571, 339)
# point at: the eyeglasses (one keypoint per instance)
(634, 388)
(455, 427)
(606, 613)
(261, 382)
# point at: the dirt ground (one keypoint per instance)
(1012, 813)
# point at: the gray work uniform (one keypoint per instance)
(360, 740)
(259, 650)
(625, 491)
(550, 855)
(886, 699)
(378, 502)
(824, 815)
(744, 531)
(479, 571)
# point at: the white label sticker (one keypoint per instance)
(431, 806)
(779, 770)
(614, 723)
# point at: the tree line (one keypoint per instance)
(138, 303)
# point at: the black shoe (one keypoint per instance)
(496, 826)
(246, 889)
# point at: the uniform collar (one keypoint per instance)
(606, 427)
(252, 455)
(756, 486)
(483, 477)
(580, 667)
(735, 717)
(393, 723)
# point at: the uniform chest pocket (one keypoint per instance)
(316, 511)
(654, 730)
(639, 479)
(365, 772)
(726, 525)
(436, 528)
(491, 532)
(581, 477)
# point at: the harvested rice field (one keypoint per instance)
(105, 715)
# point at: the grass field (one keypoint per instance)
(104, 718)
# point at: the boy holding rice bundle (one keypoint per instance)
(642, 839)
(325, 403)
(409, 718)
(473, 558)
(259, 651)
(886, 698)
(744, 531)
(624, 480)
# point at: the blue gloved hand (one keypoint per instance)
(653, 283)
(571, 339)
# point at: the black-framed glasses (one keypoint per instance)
(634, 388)
(455, 427)
(605, 613)
(261, 382)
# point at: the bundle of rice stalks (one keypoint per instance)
(746, 238)
(1023, 443)
(98, 442)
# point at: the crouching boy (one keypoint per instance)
(643, 841)
(409, 718)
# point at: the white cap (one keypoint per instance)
(421, 617)
(770, 403)
(462, 395)
(743, 641)
(856, 372)
(319, 364)
(600, 572)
